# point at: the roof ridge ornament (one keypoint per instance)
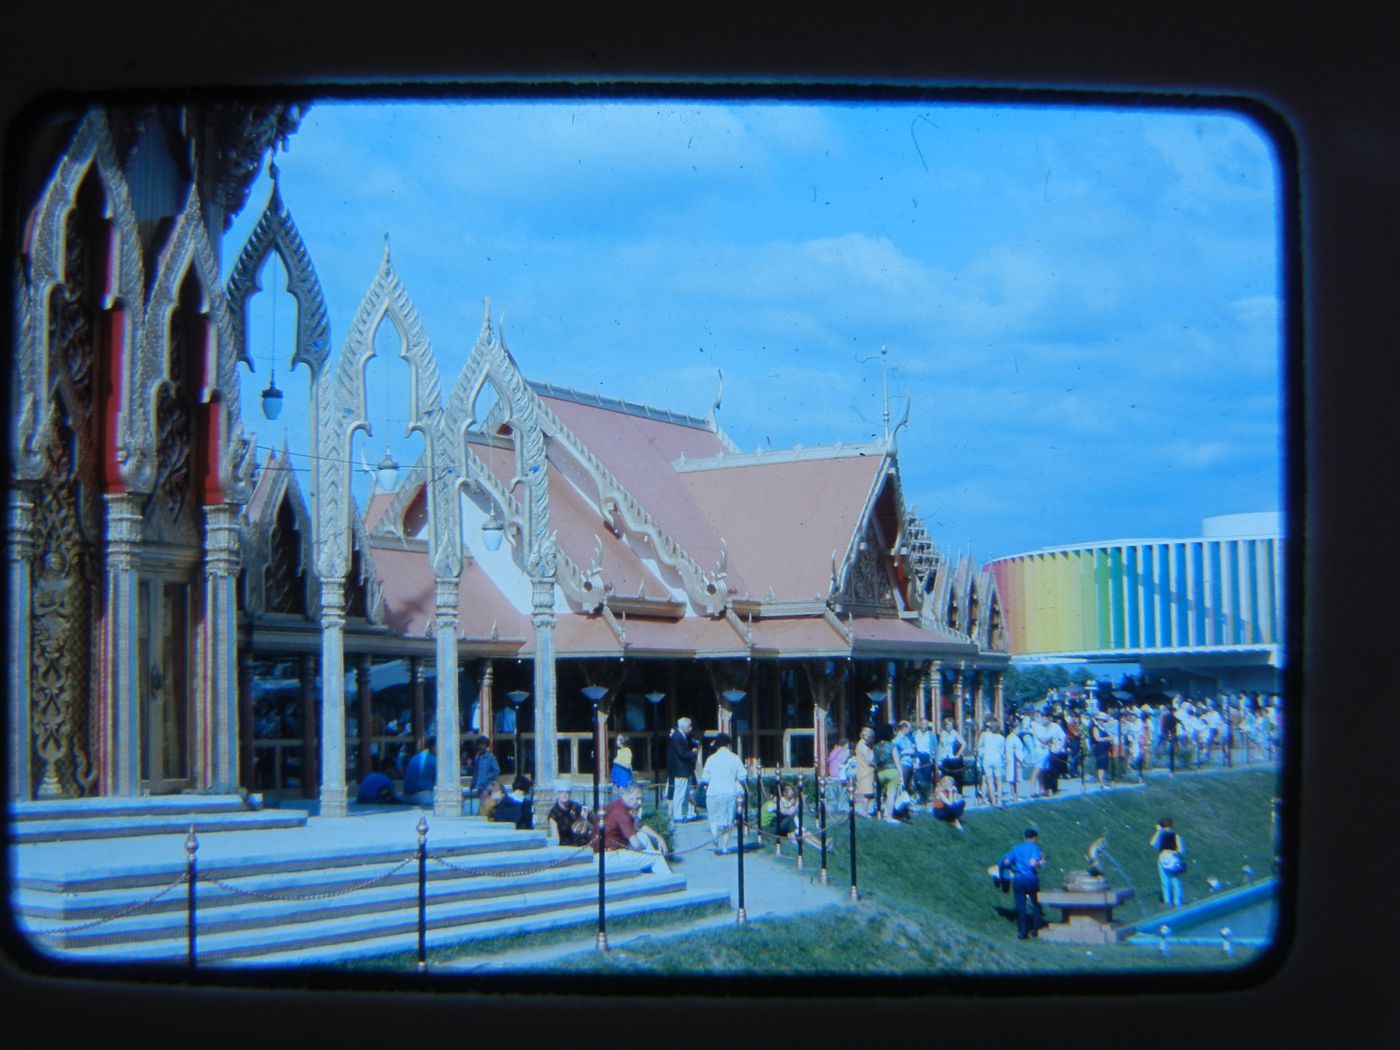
(890, 437)
(713, 417)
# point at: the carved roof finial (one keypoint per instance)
(486, 317)
(908, 400)
(713, 418)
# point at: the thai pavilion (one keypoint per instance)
(179, 612)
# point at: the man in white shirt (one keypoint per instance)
(723, 777)
(991, 759)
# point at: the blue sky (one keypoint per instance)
(1082, 303)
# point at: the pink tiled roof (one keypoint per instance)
(379, 503)
(639, 452)
(692, 636)
(579, 525)
(782, 521)
(890, 635)
(576, 635)
(799, 636)
(407, 582)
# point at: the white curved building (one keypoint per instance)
(1210, 605)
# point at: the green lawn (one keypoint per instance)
(928, 906)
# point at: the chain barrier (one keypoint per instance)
(325, 896)
(128, 910)
(559, 862)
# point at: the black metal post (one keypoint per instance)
(191, 872)
(739, 827)
(1113, 766)
(422, 894)
(602, 832)
(821, 820)
(855, 894)
(801, 790)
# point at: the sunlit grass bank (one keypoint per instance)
(928, 906)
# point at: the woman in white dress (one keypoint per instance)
(991, 760)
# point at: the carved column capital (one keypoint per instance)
(19, 524)
(221, 539)
(333, 603)
(123, 530)
(542, 602)
(446, 601)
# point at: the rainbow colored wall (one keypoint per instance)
(1130, 596)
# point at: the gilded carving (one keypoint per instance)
(61, 626)
(188, 250)
(46, 255)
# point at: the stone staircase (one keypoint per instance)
(275, 887)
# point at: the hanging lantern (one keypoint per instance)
(272, 399)
(387, 471)
(492, 531)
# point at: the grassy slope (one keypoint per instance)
(929, 907)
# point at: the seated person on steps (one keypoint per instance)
(420, 777)
(622, 828)
(569, 822)
(516, 807)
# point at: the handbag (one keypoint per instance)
(1172, 862)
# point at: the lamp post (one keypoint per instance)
(517, 699)
(877, 697)
(655, 700)
(272, 397)
(733, 697)
(594, 695)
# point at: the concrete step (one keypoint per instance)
(578, 918)
(60, 904)
(76, 828)
(355, 932)
(144, 806)
(257, 908)
(280, 852)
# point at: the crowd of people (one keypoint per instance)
(887, 772)
(894, 769)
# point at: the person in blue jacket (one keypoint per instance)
(1021, 865)
(420, 777)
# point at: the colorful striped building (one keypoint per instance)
(1215, 601)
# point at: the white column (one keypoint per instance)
(1229, 607)
(1173, 599)
(546, 706)
(1207, 597)
(221, 644)
(334, 798)
(1192, 591)
(121, 771)
(447, 792)
(1143, 558)
(20, 536)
